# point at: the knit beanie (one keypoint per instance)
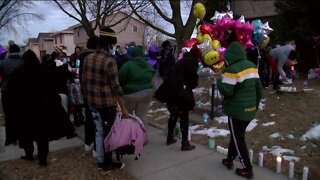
(107, 36)
(14, 48)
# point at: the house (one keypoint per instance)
(45, 43)
(253, 9)
(33, 45)
(64, 41)
(128, 30)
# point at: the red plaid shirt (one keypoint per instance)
(100, 80)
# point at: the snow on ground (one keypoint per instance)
(275, 136)
(313, 133)
(261, 106)
(221, 119)
(291, 158)
(252, 125)
(199, 90)
(165, 110)
(268, 123)
(212, 132)
(277, 150)
(290, 136)
(272, 115)
(194, 127)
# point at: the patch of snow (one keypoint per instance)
(208, 103)
(161, 117)
(213, 132)
(252, 125)
(194, 127)
(261, 106)
(221, 119)
(152, 102)
(278, 151)
(313, 133)
(263, 100)
(290, 136)
(275, 136)
(303, 147)
(272, 115)
(291, 158)
(165, 110)
(199, 90)
(269, 123)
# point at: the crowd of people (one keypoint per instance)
(39, 96)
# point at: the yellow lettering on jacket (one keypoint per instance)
(250, 109)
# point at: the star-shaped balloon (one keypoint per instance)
(205, 117)
(199, 103)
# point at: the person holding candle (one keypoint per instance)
(242, 91)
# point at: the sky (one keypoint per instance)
(54, 20)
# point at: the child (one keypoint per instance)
(76, 99)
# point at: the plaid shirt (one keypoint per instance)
(100, 80)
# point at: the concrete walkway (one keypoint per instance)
(161, 162)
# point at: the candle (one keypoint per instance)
(279, 159)
(305, 173)
(189, 135)
(212, 143)
(261, 159)
(251, 155)
(291, 169)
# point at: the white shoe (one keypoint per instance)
(88, 148)
(287, 82)
(94, 153)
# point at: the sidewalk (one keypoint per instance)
(159, 162)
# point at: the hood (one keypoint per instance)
(235, 52)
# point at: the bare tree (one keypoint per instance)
(85, 10)
(171, 14)
(13, 13)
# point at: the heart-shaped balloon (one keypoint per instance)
(206, 29)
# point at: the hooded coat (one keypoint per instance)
(136, 74)
(240, 84)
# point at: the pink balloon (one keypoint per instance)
(248, 44)
(206, 29)
(190, 43)
(221, 50)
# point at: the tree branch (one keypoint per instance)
(160, 12)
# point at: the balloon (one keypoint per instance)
(218, 68)
(265, 43)
(266, 27)
(215, 44)
(199, 10)
(242, 19)
(205, 47)
(248, 44)
(206, 37)
(206, 29)
(3, 52)
(218, 15)
(211, 58)
(190, 43)
(199, 38)
(221, 51)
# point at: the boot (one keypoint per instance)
(186, 146)
(245, 172)
(170, 140)
(228, 163)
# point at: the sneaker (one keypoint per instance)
(171, 141)
(94, 153)
(88, 148)
(227, 163)
(287, 82)
(244, 173)
(186, 146)
(114, 166)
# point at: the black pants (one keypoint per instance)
(276, 81)
(237, 144)
(77, 114)
(175, 113)
(8, 113)
(89, 127)
(43, 149)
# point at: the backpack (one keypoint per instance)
(167, 59)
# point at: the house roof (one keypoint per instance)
(67, 31)
(92, 21)
(44, 35)
(32, 40)
(253, 8)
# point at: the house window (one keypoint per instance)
(135, 29)
(78, 32)
(60, 38)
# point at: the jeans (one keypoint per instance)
(103, 119)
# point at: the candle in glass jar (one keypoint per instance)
(261, 159)
(279, 160)
(305, 173)
(291, 169)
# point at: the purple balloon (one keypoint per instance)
(3, 52)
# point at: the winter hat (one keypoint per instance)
(108, 36)
(136, 52)
(14, 48)
(11, 42)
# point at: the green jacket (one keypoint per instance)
(136, 74)
(240, 84)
